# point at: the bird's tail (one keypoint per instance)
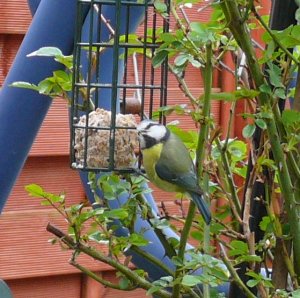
(202, 206)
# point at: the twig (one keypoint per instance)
(135, 278)
(99, 279)
(274, 37)
(234, 274)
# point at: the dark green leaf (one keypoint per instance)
(265, 89)
(248, 131)
(275, 75)
(159, 58)
(261, 123)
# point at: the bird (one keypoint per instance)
(168, 164)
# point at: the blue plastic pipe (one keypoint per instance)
(23, 111)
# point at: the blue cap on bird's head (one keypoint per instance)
(151, 133)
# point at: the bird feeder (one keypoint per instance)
(114, 82)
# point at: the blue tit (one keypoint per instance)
(168, 163)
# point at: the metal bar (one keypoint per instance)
(164, 68)
(144, 63)
(114, 94)
(125, 59)
(88, 82)
(121, 45)
(152, 72)
(106, 85)
(113, 2)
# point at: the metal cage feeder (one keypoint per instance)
(114, 83)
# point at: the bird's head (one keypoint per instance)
(151, 133)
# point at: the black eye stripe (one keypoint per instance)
(150, 125)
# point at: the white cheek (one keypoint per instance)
(157, 132)
(142, 142)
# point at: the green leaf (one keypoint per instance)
(119, 213)
(246, 93)
(159, 57)
(46, 51)
(264, 88)
(238, 248)
(266, 224)
(296, 294)
(248, 131)
(124, 283)
(274, 75)
(67, 61)
(152, 290)
(138, 240)
(252, 283)
(280, 92)
(35, 190)
(25, 85)
(181, 59)
(248, 258)
(190, 280)
(290, 117)
(237, 150)
(96, 236)
(46, 86)
(223, 96)
(261, 123)
(160, 6)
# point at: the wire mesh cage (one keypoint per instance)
(114, 83)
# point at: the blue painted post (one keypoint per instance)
(23, 111)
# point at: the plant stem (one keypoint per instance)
(242, 36)
(170, 251)
(135, 278)
(234, 274)
(201, 158)
(152, 259)
(99, 279)
(229, 177)
(274, 37)
(200, 154)
(182, 245)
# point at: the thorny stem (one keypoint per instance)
(201, 148)
(135, 278)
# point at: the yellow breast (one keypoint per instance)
(150, 158)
